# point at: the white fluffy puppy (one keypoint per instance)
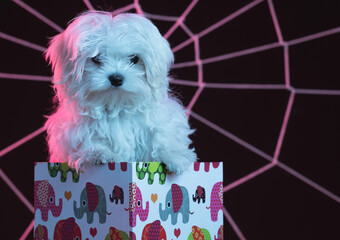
(112, 95)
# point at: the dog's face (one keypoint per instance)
(104, 64)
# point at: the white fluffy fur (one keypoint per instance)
(96, 122)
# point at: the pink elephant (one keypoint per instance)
(44, 199)
(216, 200)
(219, 234)
(136, 205)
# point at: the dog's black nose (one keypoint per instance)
(116, 80)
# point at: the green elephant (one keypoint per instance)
(199, 234)
(115, 234)
(63, 168)
(151, 168)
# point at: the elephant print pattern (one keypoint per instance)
(206, 166)
(177, 197)
(67, 229)
(154, 231)
(40, 233)
(187, 206)
(44, 199)
(92, 199)
(115, 234)
(151, 169)
(199, 234)
(176, 201)
(216, 200)
(219, 234)
(117, 194)
(199, 195)
(63, 168)
(136, 205)
(92, 196)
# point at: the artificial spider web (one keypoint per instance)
(201, 84)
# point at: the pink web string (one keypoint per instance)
(249, 176)
(314, 36)
(229, 55)
(286, 63)
(27, 231)
(38, 15)
(275, 22)
(17, 192)
(218, 24)
(182, 45)
(194, 38)
(317, 91)
(194, 99)
(241, 53)
(161, 17)
(198, 62)
(233, 224)
(124, 9)
(231, 136)
(308, 181)
(22, 42)
(88, 4)
(181, 19)
(21, 141)
(187, 30)
(25, 77)
(184, 82)
(284, 126)
(245, 86)
(229, 18)
(138, 7)
(184, 64)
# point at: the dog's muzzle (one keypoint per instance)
(116, 80)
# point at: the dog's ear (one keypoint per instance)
(64, 53)
(158, 68)
(160, 58)
(54, 54)
(57, 56)
(69, 50)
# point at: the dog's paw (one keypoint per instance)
(178, 167)
(97, 156)
(95, 161)
(173, 169)
(102, 157)
(180, 162)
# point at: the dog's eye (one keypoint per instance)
(96, 60)
(134, 59)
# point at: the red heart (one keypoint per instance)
(177, 232)
(87, 239)
(93, 231)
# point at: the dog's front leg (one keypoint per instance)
(174, 152)
(94, 155)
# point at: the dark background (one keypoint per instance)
(296, 197)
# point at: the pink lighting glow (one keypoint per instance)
(273, 161)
